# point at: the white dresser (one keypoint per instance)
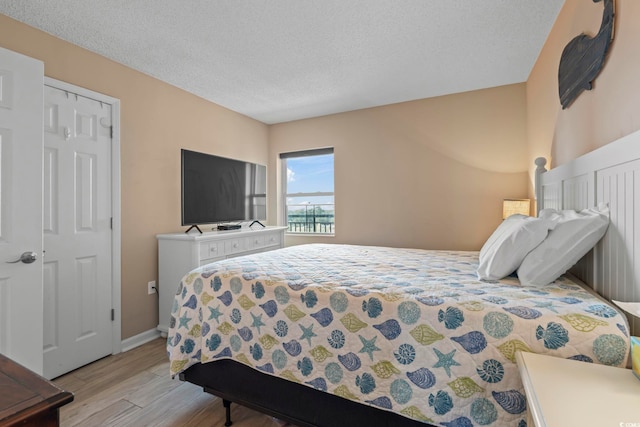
(179, 253)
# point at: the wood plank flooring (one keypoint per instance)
(135, 389)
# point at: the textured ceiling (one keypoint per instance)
(283, 60)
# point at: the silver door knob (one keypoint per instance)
(26, 257)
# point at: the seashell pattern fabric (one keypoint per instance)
(405, 330)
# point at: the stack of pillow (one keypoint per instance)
(541, 249)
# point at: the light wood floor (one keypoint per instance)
(135, 389)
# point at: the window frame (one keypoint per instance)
(284, 184)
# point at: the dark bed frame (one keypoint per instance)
(295, 403)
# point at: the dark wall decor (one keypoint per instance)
(583, 58)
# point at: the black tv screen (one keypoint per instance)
(217, 189)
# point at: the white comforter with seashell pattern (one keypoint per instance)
(406, 330)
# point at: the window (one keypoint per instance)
(307, 180)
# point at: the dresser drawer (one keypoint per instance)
(255, 242)
(211, 250)
(233, 246)
(273, 239)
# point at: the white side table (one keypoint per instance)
(632, 308)
(562, 392)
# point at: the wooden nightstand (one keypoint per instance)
(27, 399)
(562, 392)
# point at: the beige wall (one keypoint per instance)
(428, 174)
(597, 117)
(156, 121)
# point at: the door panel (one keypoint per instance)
(85, 195)
(77, 233)
(50, 198)
(21, 315)
(50, 306)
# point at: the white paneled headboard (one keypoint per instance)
(610, 174)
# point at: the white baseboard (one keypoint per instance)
(142, 338)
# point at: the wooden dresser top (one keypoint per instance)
(24, 393)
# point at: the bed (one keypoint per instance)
(403, 330)
(331, 335)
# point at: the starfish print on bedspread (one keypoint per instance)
(445, 361)
(215, 313)
(257, 321)
(307, 333)
(368, 346)
(184, 321)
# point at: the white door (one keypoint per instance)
(21, 80)
(77, 231)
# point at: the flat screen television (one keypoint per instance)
(221, 190)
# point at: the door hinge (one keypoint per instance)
(111, 132)
(113, 314)
(111, 223)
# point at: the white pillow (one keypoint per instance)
(574, 235)
(505, 249)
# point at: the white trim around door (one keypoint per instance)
(115, 202)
